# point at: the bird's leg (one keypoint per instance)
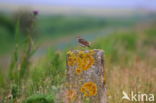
(82, 47)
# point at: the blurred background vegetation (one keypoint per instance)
(33, 46)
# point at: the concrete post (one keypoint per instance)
(85, 76)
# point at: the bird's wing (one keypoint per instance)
(84, 42)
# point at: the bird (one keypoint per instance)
(82, 41)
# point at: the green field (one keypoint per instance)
(58, 26)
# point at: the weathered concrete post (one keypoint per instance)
(85, 75)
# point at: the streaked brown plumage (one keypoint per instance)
(83, 42)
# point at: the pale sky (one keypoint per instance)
(151, 4)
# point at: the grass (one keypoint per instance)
(130, 63)
(130, 66)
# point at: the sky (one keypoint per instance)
(150, 4)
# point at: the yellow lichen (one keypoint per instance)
(78, 71)
(69, 52)
(71, 95)
(89, 89)
(72, 60)
(83, 60)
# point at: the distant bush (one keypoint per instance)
(7, 22)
